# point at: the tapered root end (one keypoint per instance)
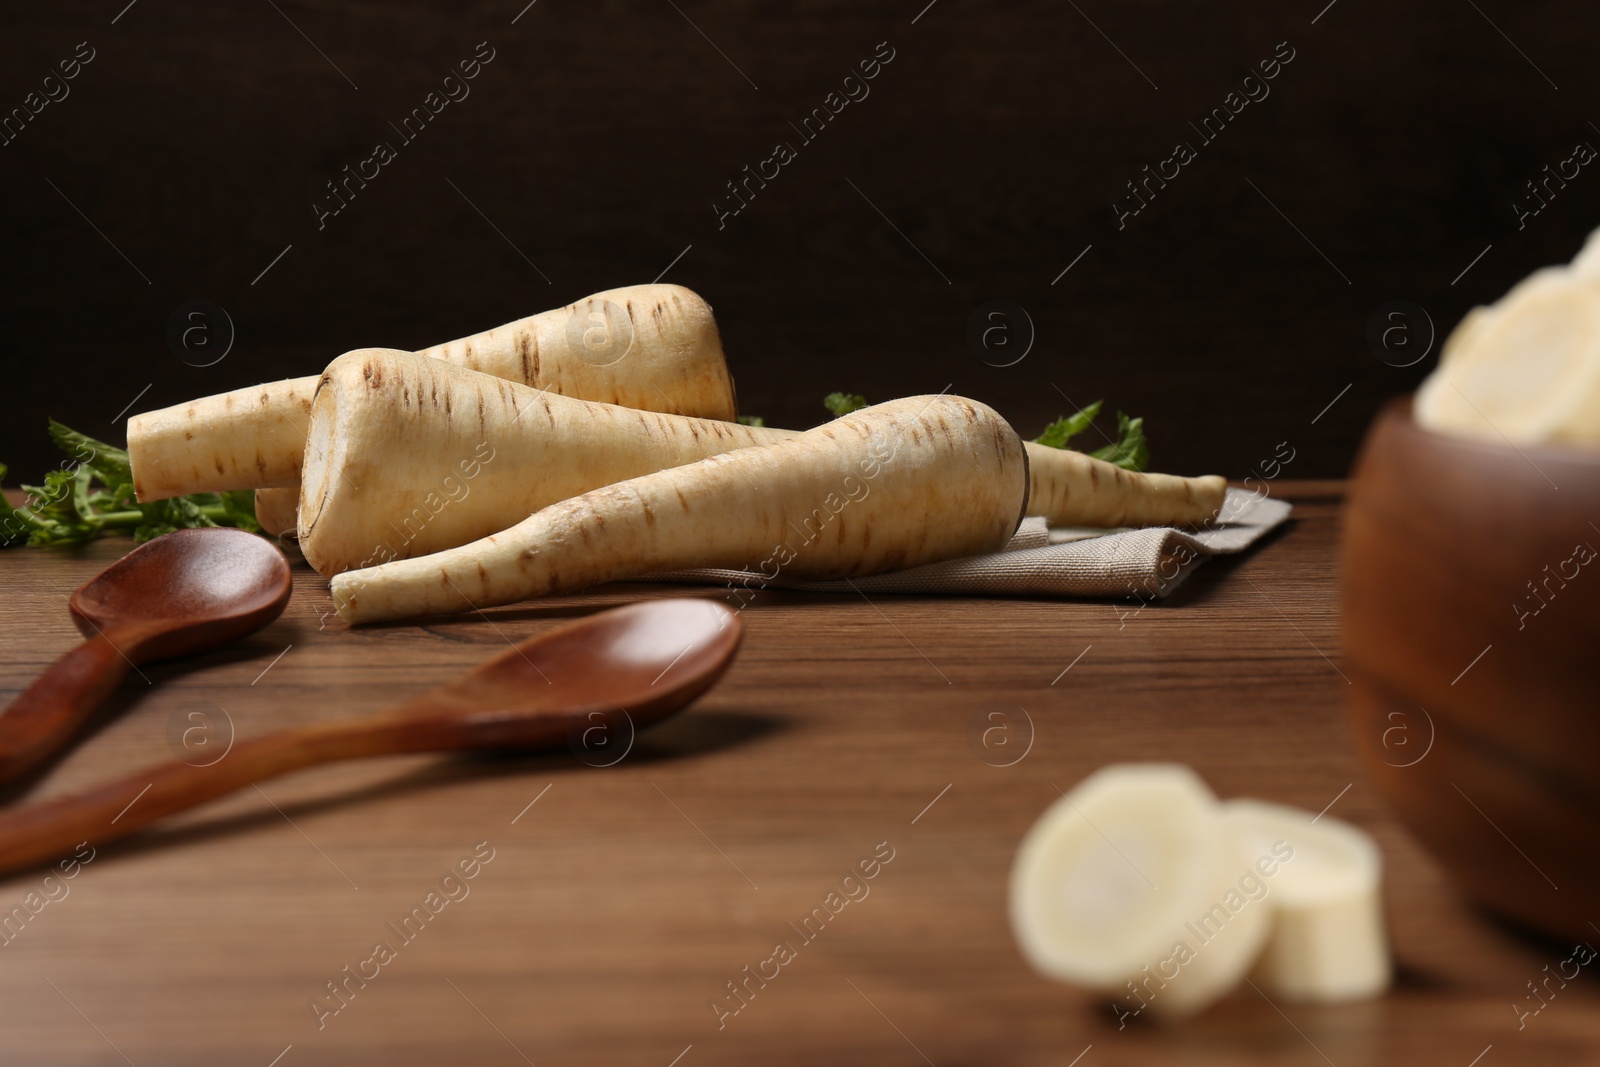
(345, 599)
(1210, 491)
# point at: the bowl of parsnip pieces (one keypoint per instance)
(1471, 602)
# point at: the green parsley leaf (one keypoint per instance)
(91, 495)
(1132, 451)
(1064, 429)
(842, 404)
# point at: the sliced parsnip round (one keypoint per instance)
(1528, 371)
(1327, 942)
(653, 347)
(896, 485)
(1130, 886)
(1461, 338)
(1586, 263)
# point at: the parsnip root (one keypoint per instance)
(277, 510)
(900, 484)
(1073, 489)
(409, 455)
(653, 347)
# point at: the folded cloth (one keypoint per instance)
(1145, 563)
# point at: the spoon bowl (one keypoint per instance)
(641, 662)
(181, 594)
(614, 672)
(186, 592)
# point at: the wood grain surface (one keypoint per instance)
(620, 901)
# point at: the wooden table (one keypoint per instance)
(620, 901)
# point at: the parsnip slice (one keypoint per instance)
(1130, 886)
(1461, 338)
(1327, 942)
(1586, 264)
(1527, 370)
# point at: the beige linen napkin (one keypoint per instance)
(1144, 563)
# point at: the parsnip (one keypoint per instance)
(653, 347)
(409, 455)
(1072, 489)
(900, 484)
(277, 510)
(386, 470)
(1067, 488)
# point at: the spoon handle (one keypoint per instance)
(51, 830)
(48, 714)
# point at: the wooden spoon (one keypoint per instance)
(181, 594)
(644, 661)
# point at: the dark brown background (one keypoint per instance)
(200, 135)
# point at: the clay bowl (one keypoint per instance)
(1471, 634)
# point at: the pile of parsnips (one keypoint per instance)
(596, 442)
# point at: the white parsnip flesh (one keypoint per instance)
(1130, 887)
(1526, 369)
(1587, 262)
(409, 455)
(1327, 943)
(900, 484)
(652, 347)
(1141, 887)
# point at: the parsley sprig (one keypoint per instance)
(1131, 451)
